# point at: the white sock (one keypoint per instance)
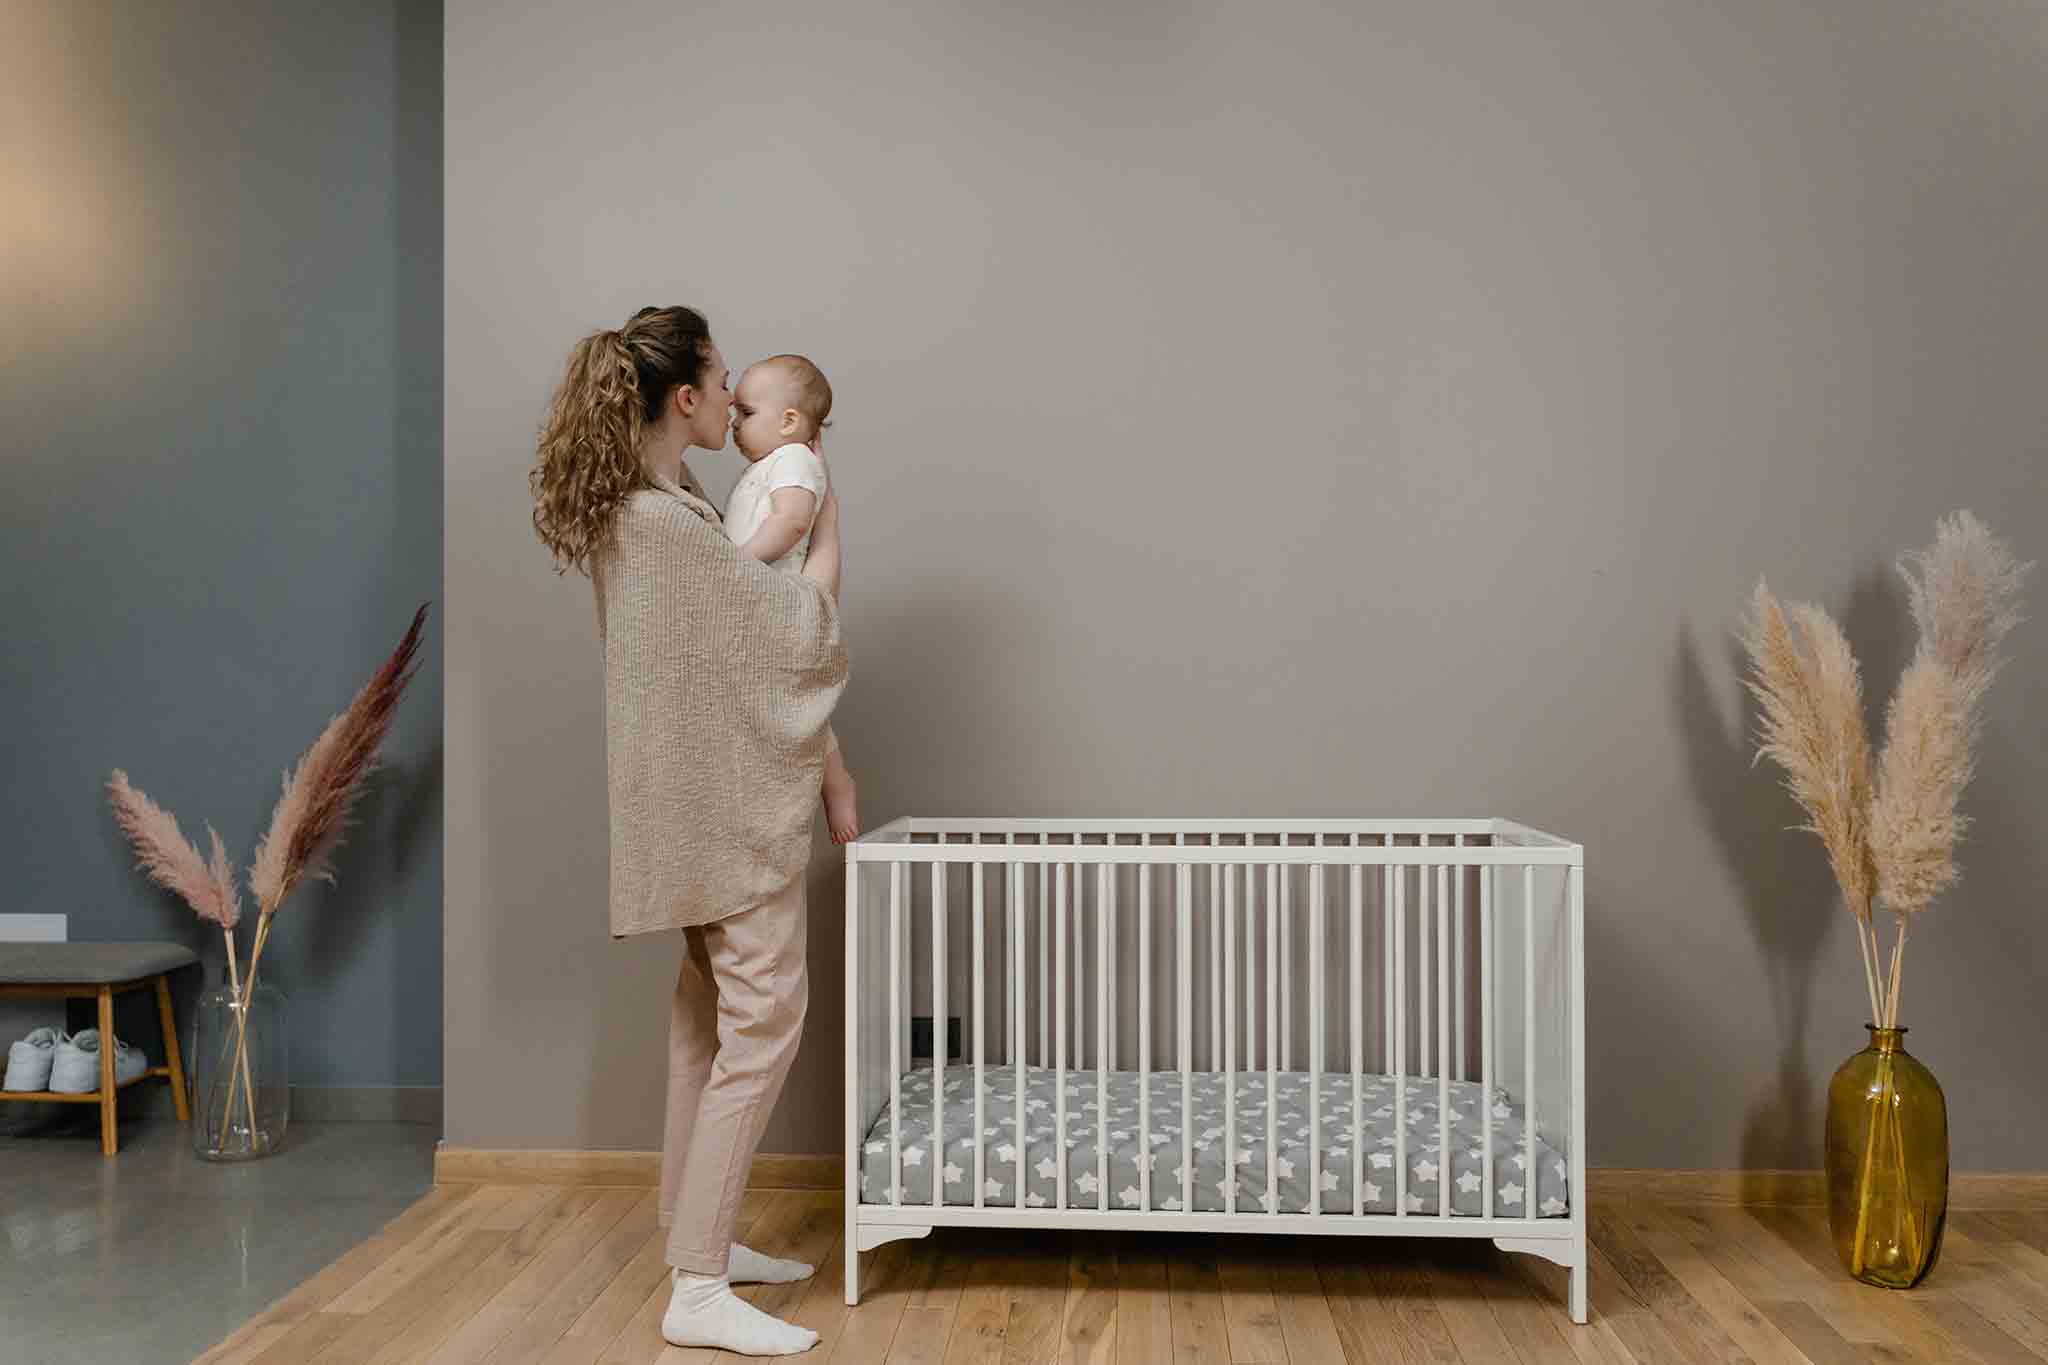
(744, 1265)
(703, 1311)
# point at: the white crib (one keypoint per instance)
(1120, 982)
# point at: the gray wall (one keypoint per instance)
(1335, 412)
(220, 316)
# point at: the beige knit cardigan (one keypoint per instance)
(720, 674)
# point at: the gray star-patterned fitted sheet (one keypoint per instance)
(1422, 1147)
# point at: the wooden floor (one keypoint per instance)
(504, 1274)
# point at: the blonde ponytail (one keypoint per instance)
(588, 459)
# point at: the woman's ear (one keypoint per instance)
(684, 401)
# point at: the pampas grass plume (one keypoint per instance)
(168, 858)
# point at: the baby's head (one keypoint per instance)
(780, 400)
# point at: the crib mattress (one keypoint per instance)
(1428, 1164)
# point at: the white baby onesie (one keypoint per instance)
(792, 466)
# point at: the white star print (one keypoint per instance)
(1171, 1202)
(1511, 1194)
(1130, 1197)
(952, 1173)
(877, 1147)
(1552, 1206)
(1006, 1153)
(1425, 1171)
(993, 1189)
(1329, 1180)
(1372, 1192)
(1380, 1161)
(1469, 1181)
(1047, 1168)
(1035, 1199)
(1086, 1184)
(913, 1156)
(1285, 1167)
(1415, 1204)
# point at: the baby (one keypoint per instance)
(779, 408)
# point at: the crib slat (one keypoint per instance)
(1400, 1045)
(1315, 1036)
(1464, 1072)
(1272, 1033)
(1217, 1016)
(1059, 1054)
(1486, 1192)
(1286, 1034)
(1013, 962)
(1422, 974)
(1251, 960)
(1044, 977)
(1076, 1041)
(1387, 970)
(896, 1033)
(1145, 1038)
(1357, 1036)
(1443, 1041)
(1017, 1010)
(1229, 1040)
(939, 1031)
(980, 1024)
(1529, 1040)
(1104, 968)
(1184, 968)
(856, 1139)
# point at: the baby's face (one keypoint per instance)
(763, 417)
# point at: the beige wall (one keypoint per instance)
(1279, 411)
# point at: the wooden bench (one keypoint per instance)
(66, 971)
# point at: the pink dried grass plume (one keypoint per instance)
(168, 858)
(321, 790)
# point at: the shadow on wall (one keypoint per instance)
(1789, 895)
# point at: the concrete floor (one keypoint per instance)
(154, 1255)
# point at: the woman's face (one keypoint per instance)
(709, 404)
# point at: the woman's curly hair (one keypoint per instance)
(589, 454)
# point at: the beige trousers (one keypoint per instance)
(733, 1029)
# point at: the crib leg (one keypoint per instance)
(1577, 1304)
(852, 1268)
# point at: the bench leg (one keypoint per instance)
(171, 1058)
(109, 1138)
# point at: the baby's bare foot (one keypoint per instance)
(841, 817)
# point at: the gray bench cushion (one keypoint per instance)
(94, 963)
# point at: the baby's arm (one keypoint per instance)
(789, 517)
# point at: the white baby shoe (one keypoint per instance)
(75, 1070)
(28, 1061)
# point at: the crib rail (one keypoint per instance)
(1259, 957)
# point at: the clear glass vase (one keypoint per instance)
(241, 1075)
(1887, 1163)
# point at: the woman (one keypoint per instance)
(720, 674)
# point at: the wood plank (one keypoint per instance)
(884, 1295)
(574, 1292)
(1610, 1300)
(309, 1336)
(797, 1225)
(1530, 1324)
(1810, 1332)
(1766, 1270)
(316, 1292)
(1088, 1334)
(1365, 1329)
(1968, 1191)
(1306, 1325)
(1251, 1319)
(1461, 1303)
(1685, 1320)
(1804, 1231)
(609, 1313)
(456, 1222)
(1038, 1298)
(1407, 1291)
(1144, 1306)
(1200, 1334)
(984, 1312)
(371, 1332)
(1746, 1325)
(823, 1309)
(921, 1336)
